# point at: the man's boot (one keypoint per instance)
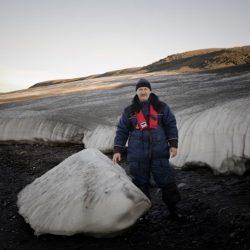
(171, 196)
(174, 214)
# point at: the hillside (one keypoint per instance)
(237, 58)
(203, 60)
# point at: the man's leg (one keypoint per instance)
(165, 179)
(171, 196)
(140, 173)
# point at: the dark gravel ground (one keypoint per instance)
(217, 208)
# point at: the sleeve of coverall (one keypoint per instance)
(122, 133)
(170, 127)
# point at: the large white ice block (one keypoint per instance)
(86, 193)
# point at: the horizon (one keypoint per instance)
(40, 44)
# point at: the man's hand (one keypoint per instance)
(116, 157)
(172, 152)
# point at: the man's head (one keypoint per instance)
(143, 89)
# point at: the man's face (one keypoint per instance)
(143, 93)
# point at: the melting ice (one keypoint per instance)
(212, 113)
(86, 193)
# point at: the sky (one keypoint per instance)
(55, 39)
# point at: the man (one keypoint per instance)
(150, 127)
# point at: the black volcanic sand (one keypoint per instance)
(217, 209)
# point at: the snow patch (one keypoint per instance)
(33, 129)
(216, 136)
(102, 138)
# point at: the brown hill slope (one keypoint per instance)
(203, 60)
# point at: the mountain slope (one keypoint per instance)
(237, 58)
(203, 60)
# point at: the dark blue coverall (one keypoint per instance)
(148, 151)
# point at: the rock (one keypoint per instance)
(181, 185)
